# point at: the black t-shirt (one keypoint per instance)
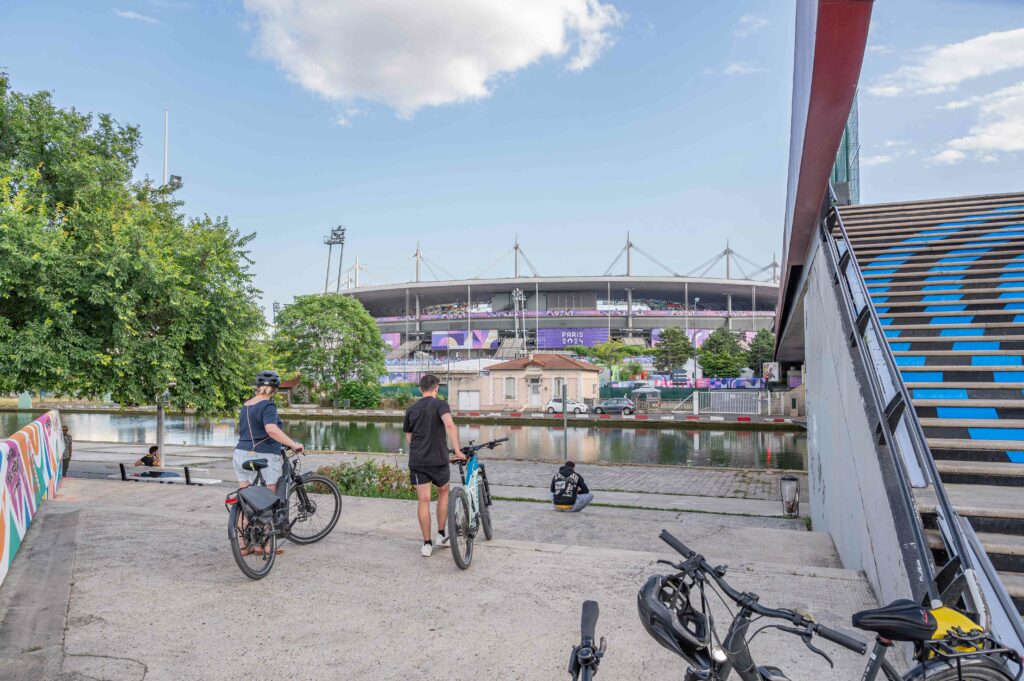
(429, 444)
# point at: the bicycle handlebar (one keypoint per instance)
(588, 622)
(471, 448)
(696, 563)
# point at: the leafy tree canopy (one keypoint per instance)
(330, 339)
(762, 349)
(674, 350)
(721, 355)
(610, 354)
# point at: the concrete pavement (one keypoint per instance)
(155, 593)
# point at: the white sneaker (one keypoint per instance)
(427, 550)
(441, 540)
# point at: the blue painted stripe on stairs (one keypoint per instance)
(947, 277)
(962, 332)
(963, 258)
(941, 287)
(877, 289)
(966, 413)
(940, 394)
(879, 299)
(1013, 306)
(996, 433)
(1011, 294)
(941, 298)
(881, 310)
(894, 259)
(922, 376)
(899, 347)
(926, 239)
(892, 333)
(945, 308)
(969, 220)
(951, 320)
(1015, 457)
(1012, 284)
(938, 269)
(1018, 319)
(873, 269)
(971, 251)
(911, 361)
(886, 322)
(995, 360)
(1008, 377)
(1007, 209)
(975, 345)
(875, 282)
(945, 228)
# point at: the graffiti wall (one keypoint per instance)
(29, 472)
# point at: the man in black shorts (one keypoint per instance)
(428, 426)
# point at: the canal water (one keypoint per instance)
(735, 448)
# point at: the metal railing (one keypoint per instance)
(899, 428)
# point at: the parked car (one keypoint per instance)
(555, 406)
(615, 405)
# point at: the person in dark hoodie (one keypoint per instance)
(568, 490)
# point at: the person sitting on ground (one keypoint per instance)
(568, 490)
(152, 459)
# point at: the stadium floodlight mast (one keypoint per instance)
(518, 303)
(335, 238)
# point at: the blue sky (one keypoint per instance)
(461, 124)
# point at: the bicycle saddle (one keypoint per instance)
(254, 464)
(901, 620)
(772, 674)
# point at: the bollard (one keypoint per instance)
(789, 486)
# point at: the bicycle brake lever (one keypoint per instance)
(807, 642)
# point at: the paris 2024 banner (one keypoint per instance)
(30, 461)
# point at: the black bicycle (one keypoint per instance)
(304, 510)
(586, 657)
(674, 610)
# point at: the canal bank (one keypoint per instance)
(537, 440)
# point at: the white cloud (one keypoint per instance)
(878, 49)
(999, 128)
(135, 16)
(344, 119)
(889, 144)
(877, 160)
(948, 157)
(941, 69)
(734, 68)
(750, 24)
(408, 55)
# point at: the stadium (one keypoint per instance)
(500, 318)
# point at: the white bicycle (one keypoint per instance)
(469, 505)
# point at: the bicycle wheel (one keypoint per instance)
(971, 669)
(485, 511)
(256, 539)
(460, 530)
(313, 510)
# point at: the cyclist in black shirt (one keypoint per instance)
(428, 426)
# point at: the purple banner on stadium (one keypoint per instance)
(482, 339)
(562, 338)
(392, 339)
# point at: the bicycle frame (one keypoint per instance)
(470, 474)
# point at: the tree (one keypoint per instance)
(673, 352)
(330, 339)
(109, 287)
(721, 355)
(762, 349)
(609, 354)
(633, 370)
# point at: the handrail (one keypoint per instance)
(957, 541)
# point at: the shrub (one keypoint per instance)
(359, 395)
(371, 479)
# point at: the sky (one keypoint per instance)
(460, 124)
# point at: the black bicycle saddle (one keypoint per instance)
(901, 620)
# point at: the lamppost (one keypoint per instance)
(335, 238)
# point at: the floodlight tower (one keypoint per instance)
(335, 238)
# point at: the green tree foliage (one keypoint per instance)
(330, 339)
(762, 349)
(721, 355)
(610, 354)
(674, 350)
(105, 286)
(359, 395)
(633, 370)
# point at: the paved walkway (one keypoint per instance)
(154, 594)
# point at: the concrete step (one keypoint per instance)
(994, 509)
(971, 423)
(989, 391)
(980, 409)
(937, 237)
(943, 359)
(963, 329)
(1003, 238)
(937, 342)
(1006, 202)
(986, 316)
(972, 253)
(1014, 583)
(944, 288)
(982, 473)
(1006, 551)
(964, 304)
(954, 283)
(917, 275)
(973, 388)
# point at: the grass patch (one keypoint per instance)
(372, 478)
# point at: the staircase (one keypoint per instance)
(946, 278)
(405, 349)
(511, 348)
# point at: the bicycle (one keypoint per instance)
(948, 645)
(304, 510)
(585, 657)
(469, 505)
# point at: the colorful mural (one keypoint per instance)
(30, 471)
(563, 338)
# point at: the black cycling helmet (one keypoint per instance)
(268, 378)
(668, 616)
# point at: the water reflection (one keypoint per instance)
(741, 449)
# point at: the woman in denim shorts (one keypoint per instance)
(260, 433)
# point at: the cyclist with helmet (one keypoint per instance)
(260, 433)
